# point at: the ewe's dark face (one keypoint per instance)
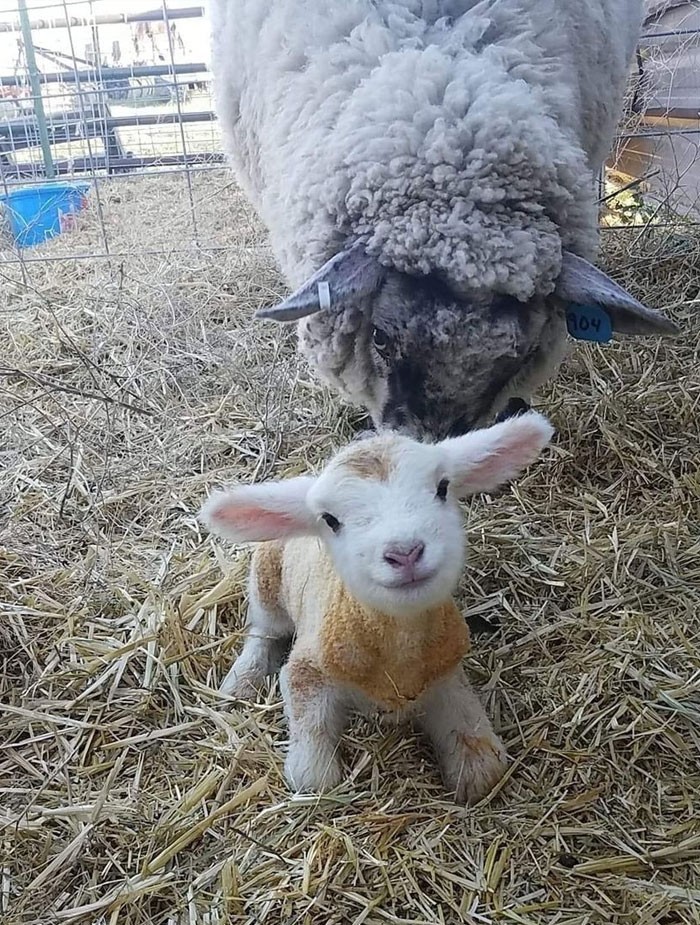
(443, 365)
(429, 364)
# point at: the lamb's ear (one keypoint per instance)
(346, 278)
(254, 513)
(584, 284)
(484, 459)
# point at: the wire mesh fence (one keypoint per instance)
(119, 94)
(120, 98)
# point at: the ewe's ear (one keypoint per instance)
(254, 513)
(346, 278)
(484, 459)
(582, 283)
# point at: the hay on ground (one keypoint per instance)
(129, 387)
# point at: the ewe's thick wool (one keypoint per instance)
(449, 135)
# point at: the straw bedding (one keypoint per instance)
(127, 796)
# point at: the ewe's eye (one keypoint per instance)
(381, 341)
(332, 522)
(441, 492)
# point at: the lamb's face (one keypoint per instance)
(386, 508)
(442, 366)
(391, 522)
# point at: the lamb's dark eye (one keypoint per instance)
(332, 522)
(441, 492)
(381, 341)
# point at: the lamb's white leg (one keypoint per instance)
(269, 631)
(317, 712)
(472, 758)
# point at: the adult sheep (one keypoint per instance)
(426, 172)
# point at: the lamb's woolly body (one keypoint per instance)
(391, 661)
(357, 567)
(449, 135)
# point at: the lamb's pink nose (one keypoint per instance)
(404, 557)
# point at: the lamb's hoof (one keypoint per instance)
(308, 773)
(243, 687)
(475, 768)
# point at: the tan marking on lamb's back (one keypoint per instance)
(267, 562)
(391, 660)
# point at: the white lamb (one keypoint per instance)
(359, 564)
(426, 171)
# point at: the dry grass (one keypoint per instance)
(126, 797)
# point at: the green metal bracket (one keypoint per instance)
(35, 83)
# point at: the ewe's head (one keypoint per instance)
(386, 508)
(428, 362)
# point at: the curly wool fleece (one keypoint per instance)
(473, 182)
(448, 136)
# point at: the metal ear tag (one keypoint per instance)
(588, 322)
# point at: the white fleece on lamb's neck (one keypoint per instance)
(445, 148)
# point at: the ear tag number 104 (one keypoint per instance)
(588, 322)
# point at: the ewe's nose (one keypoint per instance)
(404, 556)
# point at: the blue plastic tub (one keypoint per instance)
(37, 213)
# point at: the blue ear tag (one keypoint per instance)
(588, 322)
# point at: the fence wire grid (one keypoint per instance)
(119, 95)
